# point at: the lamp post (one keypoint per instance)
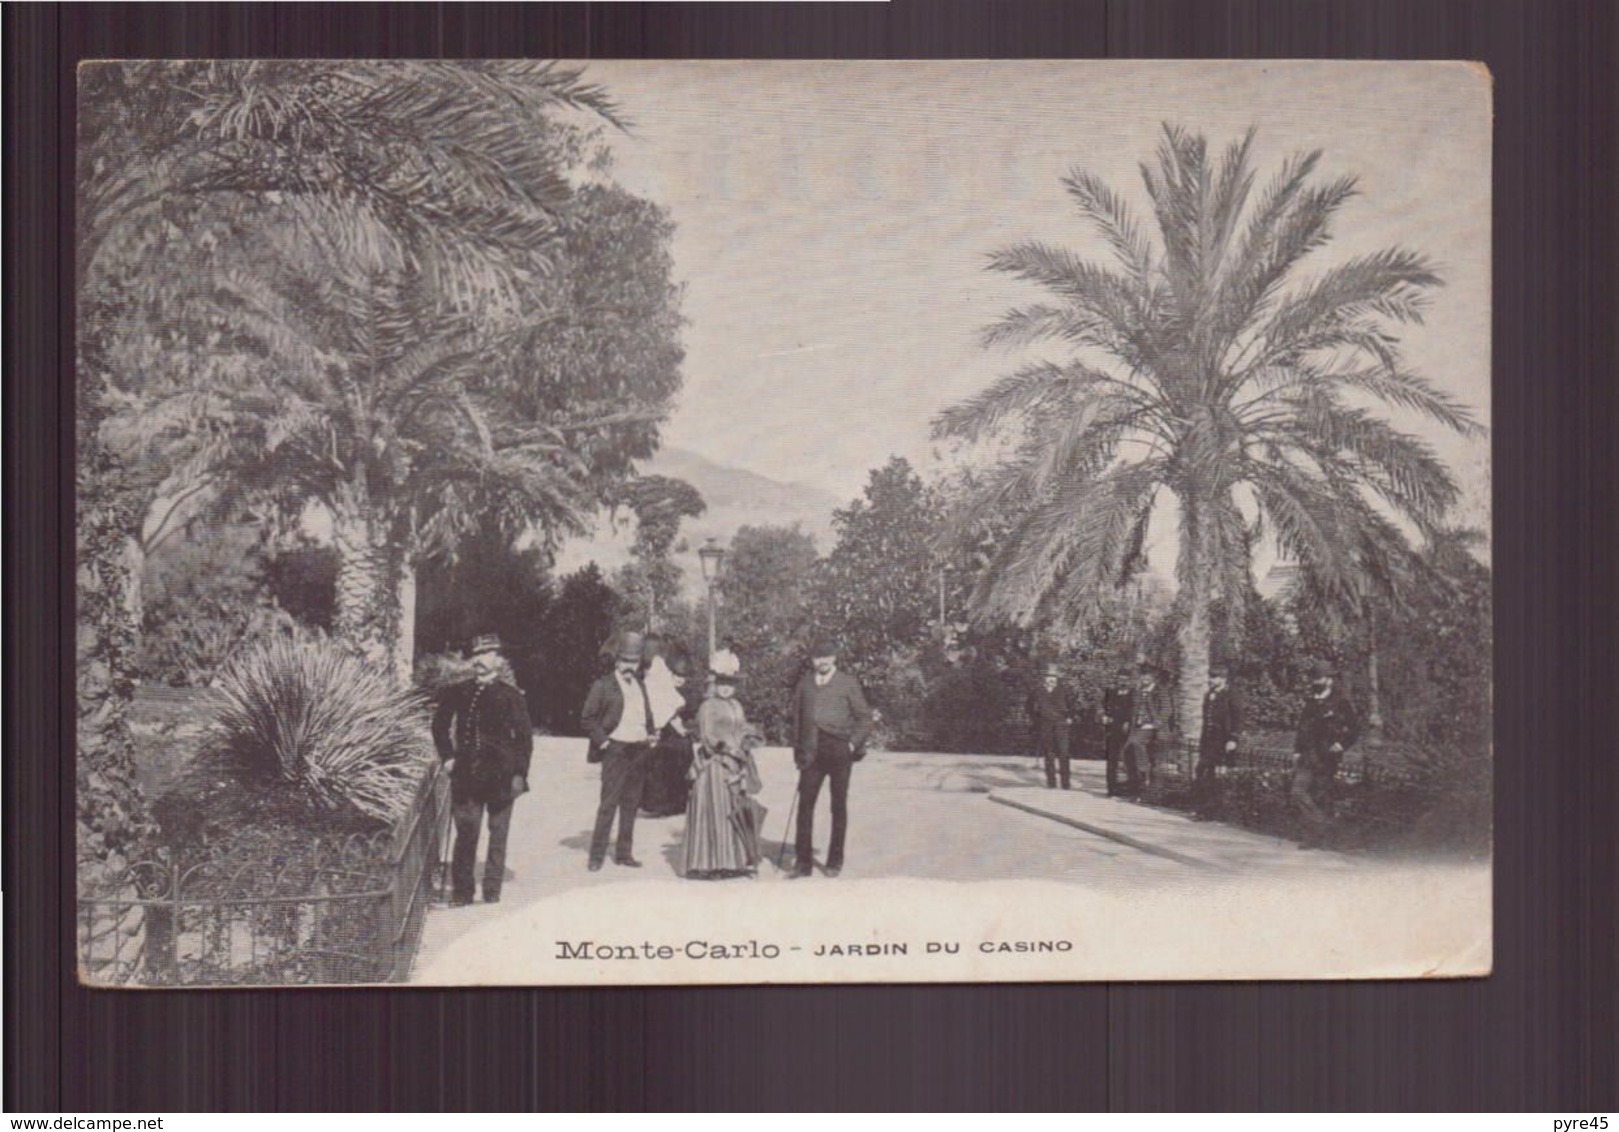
(712, 556)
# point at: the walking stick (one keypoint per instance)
(791, 810)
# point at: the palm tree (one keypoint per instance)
(1196, 369)
(376, 400)
(376, 215)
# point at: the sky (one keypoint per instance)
(833, 221)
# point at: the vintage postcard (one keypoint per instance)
(696, 522)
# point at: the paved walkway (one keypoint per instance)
(1169, 833)
(931, 817)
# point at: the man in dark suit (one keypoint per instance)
(1051, 715)
(618, 717)
(831, 723)
(1118, 706)
(484, 735)
(1149, 712)
(1222, 724)
(1327, 728)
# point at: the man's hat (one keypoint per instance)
(825, 646)
(1051, 670)
(630, 646)
(484, 642)
(1321, 669)
(1219, 670)
(1148, 667)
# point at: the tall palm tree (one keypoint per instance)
(372, 397)
(1196, 368)
(396, 206)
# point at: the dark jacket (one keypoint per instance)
(1222, 722)
(1326, 720)
(485, 728)
(1119, 705)
(850, 703)
(1149, 711)
(604, 708)
(1051, 713)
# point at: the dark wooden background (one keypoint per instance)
(1539, 1034)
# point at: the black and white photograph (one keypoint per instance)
(692, 522)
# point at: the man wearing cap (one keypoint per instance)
(484, 735)
(1118, 706)
(831, 723)
(1222, 724)
(1327, 728)
(1051, 714)
(618, 717)
(1149, 711)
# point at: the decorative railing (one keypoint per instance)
(343, 910)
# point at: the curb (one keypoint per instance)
(1114, 835)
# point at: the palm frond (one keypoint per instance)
(1087, 286)
(1077, 542)
(1107, 210)
(1385, 278)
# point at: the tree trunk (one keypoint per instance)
(114, 824)
(405, 650)
(134, 577)
(1194, 670)
(1195, 634)
(367, 615)
(1374, 715)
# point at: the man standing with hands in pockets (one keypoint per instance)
(831, 723)
(618, 716)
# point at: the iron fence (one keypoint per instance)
(343, 910)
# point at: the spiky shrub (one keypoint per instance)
(320, 719)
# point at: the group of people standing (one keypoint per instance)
(663, 749)
(666, 749)
(1135, 715)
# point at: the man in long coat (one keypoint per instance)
(618, 717)
(1222, 725)
(1118, 707)
(1051, 716)
(831, 723)
(1327, 728)
(1149, 715)
(483, 733)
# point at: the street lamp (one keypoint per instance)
(712, 556)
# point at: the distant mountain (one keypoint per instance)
(736, 498)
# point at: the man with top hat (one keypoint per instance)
(1327, 728)
(831, 723)
(1051, 715)
(618, 717)
(1222, 725)
(1118, 706)
(484, 735)
(1149, 713)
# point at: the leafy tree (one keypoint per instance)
(573, 632)
(765, 595)
(650, 582)
(208, 595)
(877, 591)
(1193, 371)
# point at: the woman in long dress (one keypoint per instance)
(723, 817)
